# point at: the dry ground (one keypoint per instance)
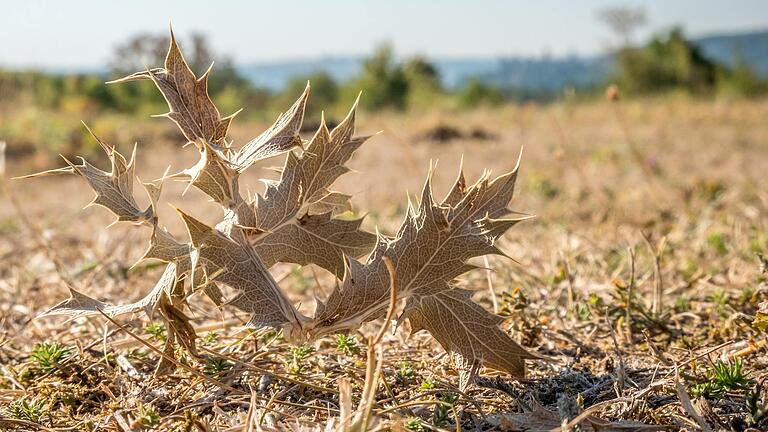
(676, 183)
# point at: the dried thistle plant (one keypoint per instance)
(296, 221)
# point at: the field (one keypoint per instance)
(640, 278)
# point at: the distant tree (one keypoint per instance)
(476, 93)
(424, 85)
(382, 80)
(150, 49)
(623, 21)
(667, 62)
(740, 81)
(325, 94)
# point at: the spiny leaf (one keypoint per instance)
(213, 175)
(238, 266)
(287, 228)
(431, 248)
(190, 106)
(315, 239)
(80, 304)
(114, 189)
(282, 136)
(464, 327)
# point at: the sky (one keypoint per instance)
(84, 33)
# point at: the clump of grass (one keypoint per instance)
(415, 424)
(717, 242)
(32, 410)
(719, 299)
(148, 416)
(347, 345)
(444, 409)
(428, 384)
(757, 408)
(405, 372)
(296, 359)
(48, 356)
(215, 366)
(211, 338)
(157, 331)
(722, 378)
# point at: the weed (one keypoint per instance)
(721, 378)
(148, 416)
(717, 242)
(405, 372)
(296, 360)
(444, 408)
(157, 331)
(48, 356)
(415, 424)
(682, 303)
(30, 410)
(211, 338)
(428, 384)
(720, 299)
(347, 345)
(215, 366)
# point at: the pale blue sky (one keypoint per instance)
(82, 33)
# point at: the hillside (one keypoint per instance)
(534, 74)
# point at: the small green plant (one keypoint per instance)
(415, 424)
(682, 303)
(513, 300)
(215, 366)
(211, 338)
(48, 356)
(405, 372)
(544, 187)
(30, 410)
(719, 299)
(148, 416)
(296, 360)
(157, 331)
(444, 408)
(347, 345)
(721, 378)
(756, 407)
(270, 336)
(717, 242)
(428, 384)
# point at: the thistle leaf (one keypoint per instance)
(463, 327)
(235, 264)
(431, 249)
(282, 136)
(114, 189)
(80, 304)
(190, 106)
(315, 239)
(288, 229)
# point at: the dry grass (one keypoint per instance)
(674, 189)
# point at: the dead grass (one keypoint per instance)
(615, 187)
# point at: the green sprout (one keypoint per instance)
(157, 331)
(29, 410)
(347, 345)
(415, 424)
(721, 378)
(148, 416)
(215, 366)
(405, 372)
(49, 356)
(444, 408)
(296, 360)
